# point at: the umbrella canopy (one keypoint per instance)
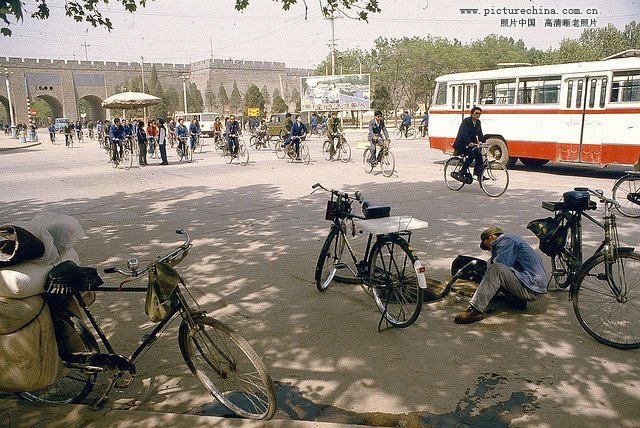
(128, 100)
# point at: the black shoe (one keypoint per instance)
(467, 178)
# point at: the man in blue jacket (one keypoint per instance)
(466, 144)
(514, 267)
(116, 137)
(298, 130)
(406, 123)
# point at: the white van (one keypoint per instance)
(60, 123)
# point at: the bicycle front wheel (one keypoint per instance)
(279, 149)
(451, 167)
(127, 158)
(345, 152)
(73, 338)
(304, 154)
(325, 150)
(387, 164)
(397, 134)
(606, 300)
(365, 160)
(190, 154)
(626, 192)
(330, 262)
(243, 155)
(494, 179)
(228, 367)
(393, 280)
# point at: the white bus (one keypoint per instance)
(581, 112)
(206, 120)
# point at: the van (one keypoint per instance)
(60, 123)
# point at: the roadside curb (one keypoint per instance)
(21, 146)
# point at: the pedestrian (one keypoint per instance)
(424, 125)
(162, 141)
(514, 268)
(141, 136)
(52, 133)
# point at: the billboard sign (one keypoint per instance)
(342, 92)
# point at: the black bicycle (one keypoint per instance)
(389, 269)
(605, 288)
(225, 363)
(494, 178)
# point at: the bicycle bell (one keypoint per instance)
(132, 264)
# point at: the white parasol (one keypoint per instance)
(130, 100)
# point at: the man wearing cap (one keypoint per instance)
(514, 267)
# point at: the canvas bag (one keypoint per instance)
(163, 280)
(18, 245)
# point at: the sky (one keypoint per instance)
(182, 31)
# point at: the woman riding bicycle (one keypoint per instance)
(466, 144)
(377, 130)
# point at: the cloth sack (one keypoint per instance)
(29, 278)
(29, 357)
(51, 253)
(16, 313)
(64, 229)
(163, 280)
(18, 245)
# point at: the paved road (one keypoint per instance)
(257, 233)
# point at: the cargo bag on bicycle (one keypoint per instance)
(551, 232)
(28, 349)
(163, 280)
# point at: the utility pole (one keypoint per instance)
(332, 44)
(144, 109)
(86, 56)
(211, 48)
(184, 79)
(11, 117)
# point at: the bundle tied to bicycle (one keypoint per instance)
(163, 281)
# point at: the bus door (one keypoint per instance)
(593, 130)
(463, 97)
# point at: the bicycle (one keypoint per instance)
(69, 140)
(384, 158)
(259, 141)
(289, 150)
(602, 288)
(409, 134)
(183, 150)
(626, 192)
(199, 143)
(153, 147)
(389, 269)
(342, 148)
(494, 177)
(220, 144)
(242, 154)
(222, 360)
(125, 155)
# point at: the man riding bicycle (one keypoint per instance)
(232, 131)
(298, 130)
(406, 123)
(377, 130)
(181, 132)
(466, 144)
(334, 130)
(217, 130)
(116, 137)
(288, 123)
(194, 133)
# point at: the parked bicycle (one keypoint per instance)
(604, 289)
(389, 269)
(290, 150)
(342, 148)
(494, 178)
(626, 192)
(384, 158)
(225, 363)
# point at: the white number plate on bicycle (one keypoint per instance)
(398, 223)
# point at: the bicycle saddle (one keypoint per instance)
(375, 211)
(67, 277)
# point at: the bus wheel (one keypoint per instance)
(498, 151)
(533, 162)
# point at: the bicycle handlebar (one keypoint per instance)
(133, 272)
(357, 196)
(598, 194)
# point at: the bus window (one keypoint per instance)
(487, 92)
(625, 87)
(579, 94)
(453, 97)
(592, 93)
(539, 91)
(498, 91)
(467, 100)
(441, 94)
(569, 92)
(459, 98)
(603, 91)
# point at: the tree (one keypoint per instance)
(173, 99)
(278, 105)
(194, 98)
(381, 99)
(153, 87)
(12, 11)
(235, 100)
(265, 94)
(223, 99)
(254, 99)
(295, 98)
(210, 96)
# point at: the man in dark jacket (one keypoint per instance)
(232, 131)
(466, 144)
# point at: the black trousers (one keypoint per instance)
(163, 153)
(472, 154)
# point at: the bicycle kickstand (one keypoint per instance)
(383, 318)
(99, 403)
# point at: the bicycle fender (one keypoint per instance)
(598, 254)
(422, 281)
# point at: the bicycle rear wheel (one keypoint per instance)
(397, 134)
(453, 166)
(345, 152)
(611, 319)
(494, 179)
(73, 338)
(626, 192)
(228, 367)
(393, 280)
(387, 163)
(330, 262)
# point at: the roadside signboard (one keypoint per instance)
(253, 112)
(342, 92)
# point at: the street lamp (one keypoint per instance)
(144, 109)
(122, 89)
(184, 78)
(13, 122)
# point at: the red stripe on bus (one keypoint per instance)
(627, 110)
(591, 153)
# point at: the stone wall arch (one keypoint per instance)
(92, 106)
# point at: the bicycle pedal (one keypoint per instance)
(340, 265)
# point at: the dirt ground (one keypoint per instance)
(257, 232)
